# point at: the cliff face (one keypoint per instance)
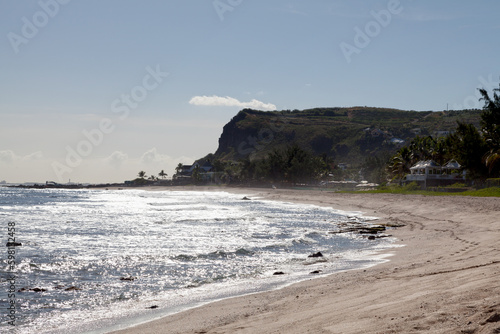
(345, 134)
(233, 133)
(253, 133)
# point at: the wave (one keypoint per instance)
(219, 254)
(184, 257)
(197, 282)
(304, 241)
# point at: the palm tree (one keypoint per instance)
(142, 174)
(162, 174)
(422, 148)
(178, 169)
(440, 152)
(490, 126)
(400, 163)
(468, 147)
(196, 174)
(492, 159)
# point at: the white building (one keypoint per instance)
(431, 173)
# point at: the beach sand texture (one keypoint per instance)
(445, 280)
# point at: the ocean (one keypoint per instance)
(92, 261)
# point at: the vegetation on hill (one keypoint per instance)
(343, 133)
(362, 139)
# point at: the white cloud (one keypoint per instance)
(9, 156)
(152, 156)
(116, 159)
(227, 101)
(38, 155)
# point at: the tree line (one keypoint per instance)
(291, 164)
(143, 176)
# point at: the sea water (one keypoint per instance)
(107, 259)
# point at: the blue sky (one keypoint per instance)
(96, 91)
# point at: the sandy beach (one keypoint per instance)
(444, 280)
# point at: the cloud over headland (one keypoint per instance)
(227, 101)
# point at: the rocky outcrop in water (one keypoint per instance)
(371, 232)
(318, 254)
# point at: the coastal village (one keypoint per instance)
(425, 173)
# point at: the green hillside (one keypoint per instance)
(348, 135)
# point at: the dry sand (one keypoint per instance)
(445, 280)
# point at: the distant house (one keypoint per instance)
(343, 166)
(377, 133)
(429, 173)
(207, 166)
(397, 141)
(186, 170)
(203, 169)
(440, 133)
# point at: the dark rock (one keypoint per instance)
(279, 273)
(494, 318)
(246, 198)
(368, 231)
(318, 254)
(371, 237)
(372, 229)
(153, 306)
(393, 224)
(129, 278)
(361, 229)
(72, 288)
(14, 244)
(31, 289)
(315, 272)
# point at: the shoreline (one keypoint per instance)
(444, 280)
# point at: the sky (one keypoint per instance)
(96, 91)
